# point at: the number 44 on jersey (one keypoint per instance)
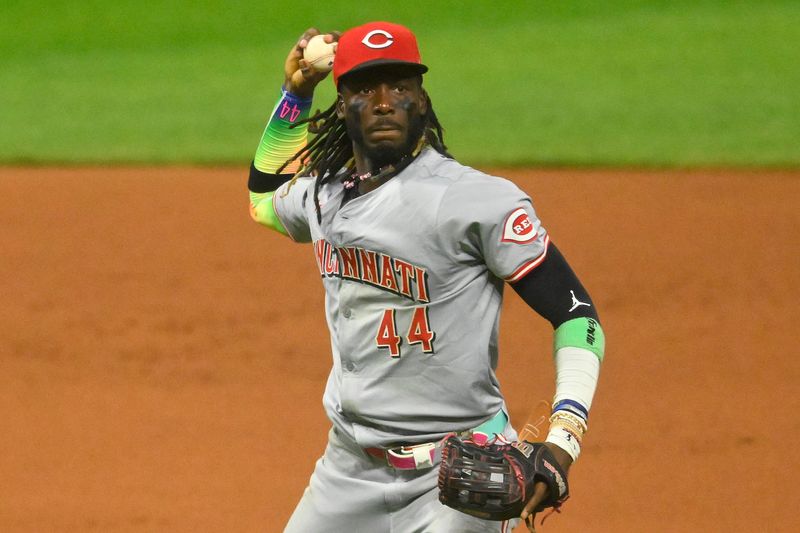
(419, 331)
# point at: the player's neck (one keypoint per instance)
(372, 172)
(366, 165)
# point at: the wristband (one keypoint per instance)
(573, 407)
(566, 432)
(291, 107)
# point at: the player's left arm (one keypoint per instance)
(499, 225)
(554, 291)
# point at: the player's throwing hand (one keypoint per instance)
(301, 79)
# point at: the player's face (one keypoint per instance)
(384, 110)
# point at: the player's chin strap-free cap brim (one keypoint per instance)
(418, 68)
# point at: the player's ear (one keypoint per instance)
(339, 106)
(423, 102)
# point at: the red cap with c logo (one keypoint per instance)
(373, 44)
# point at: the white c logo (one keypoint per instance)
(368, 37)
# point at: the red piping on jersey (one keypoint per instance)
(530, 265)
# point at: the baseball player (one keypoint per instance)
(413, 250)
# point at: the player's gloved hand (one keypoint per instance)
(540, 492)
(501, 481)
(301, 79)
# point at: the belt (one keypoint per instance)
(416, 457)
(425, 455)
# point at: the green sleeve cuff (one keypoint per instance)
(583, 332)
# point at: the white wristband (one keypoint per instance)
(565, 440)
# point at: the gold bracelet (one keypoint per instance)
(571, 430)
(570, 425)
(567, 416)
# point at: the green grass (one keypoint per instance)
(646, 83)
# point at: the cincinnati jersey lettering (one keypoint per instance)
(373, 268)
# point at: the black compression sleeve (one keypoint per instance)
(553, 290)
(263, 182)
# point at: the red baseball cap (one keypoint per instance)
(373, 44)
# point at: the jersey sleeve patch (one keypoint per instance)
(518, 227)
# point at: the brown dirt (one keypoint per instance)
(162, 358)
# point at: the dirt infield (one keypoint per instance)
(162, 358)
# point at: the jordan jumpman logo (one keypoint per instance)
(576, 303)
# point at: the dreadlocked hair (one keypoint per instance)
(331, 149)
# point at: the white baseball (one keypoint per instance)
(319, 54)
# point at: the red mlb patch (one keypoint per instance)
(518, 227)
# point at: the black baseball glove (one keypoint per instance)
(495, 481)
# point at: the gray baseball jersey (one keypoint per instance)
(413, 274)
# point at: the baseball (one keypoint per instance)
(319, 54)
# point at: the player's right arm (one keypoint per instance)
(282, 138)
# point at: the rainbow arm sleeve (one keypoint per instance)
(263, 211)
(278, 143)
